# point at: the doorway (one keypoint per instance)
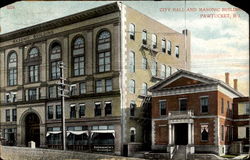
(32, 129)
(181, 134)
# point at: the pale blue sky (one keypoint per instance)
(219, 45)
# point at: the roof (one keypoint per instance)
(74, 18)
(207, 80)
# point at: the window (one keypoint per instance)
(168, 71)
(81, 110)
(58, 111)
(144, 63)
(222, 132)
(243, 108)
(32, 94)
(163, 45)
(72, 111)
(13, 115)
(82, 88)
(163, 71)
(144, 37)
(204, 104)
(52, 92)
(183, 104)
(33, 73)
(132, 108)
(222, 105)
(154, 41)
(73, 90)
(11, 97)
(99, 86)
(98, 110)
(163, 107)
(108, 85)
(131, 61)
(55, 58)
(144, 89)
(154, 68)
(50, 112)
(177, 51)
(169, 47)
(33, 52)
(9, 135)
(108, 108)
(132, 86)
(12, 69)
(104, 52)
(7, 115)
(132, 31)
(243, 132)
(78, 56)
(204, 132)
(132, 134)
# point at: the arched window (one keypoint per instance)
(78, 57)
(55, 58)
(33, 72)
(132, 134)
(154, 41)
(104, 51)
(132, 31)
(33, 52)
(12, 69)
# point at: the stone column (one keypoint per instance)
(192, 133)
(189, 133)
(173, 134)
(169, 134)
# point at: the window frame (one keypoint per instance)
(163, 45)
(12, 71)
(58, 113)
(201, 107)
(154, 41)
(132, 61)
(7, 115)
(132, 86)
(79, 56)
(109, 110)
(144, 39)
(55, 62)
(180, 99)
(177, 51)
(98, 111)
(132, 31)
(49, 115)
(160, 107)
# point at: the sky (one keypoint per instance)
(218, 45)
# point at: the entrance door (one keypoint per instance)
(32, 129)
(181, 134)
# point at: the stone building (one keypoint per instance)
(199, 112)
(112, 54)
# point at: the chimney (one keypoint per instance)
(227, 78)
(235, 84)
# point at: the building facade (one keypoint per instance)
(196, 111)
(112, 54)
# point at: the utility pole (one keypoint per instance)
(61, 87)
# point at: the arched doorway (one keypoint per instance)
(32, 129)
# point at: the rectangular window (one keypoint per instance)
(222, 105)
(32, 93)
(163, 46)
(154, 68)
(144, 37)
(204, 104)
(13, 115)
(79, 66)
(243, 132)
(163, 107)
(108, 85)
(82, 88)
(108, 108)
(222, 132)
(73, 90)
(58, 111)
(132, 86)
(183, 104)
(169, 47)
(99, 86)
(132, 31)
(104, 61)
(81, 110)
(7, 115)
(144, 90)
(204, 132)
(132, 61)
(11, 97)
(168, 71)
(132, 108)
(72, 111)
(33, 73)
(154, 41)
(177, 51)
(52, 92)
(55, 70)
(98, 110)
(144, 63)
(50, 112)
(8, 100)
(163, 71)
(12, 77)
(243, 108)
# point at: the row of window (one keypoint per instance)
(103, 55)
(165, 45)
(144, 88)
(165, 71)
(78, 111)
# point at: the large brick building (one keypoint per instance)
(112, 54)
(199, 112)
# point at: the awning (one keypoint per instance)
(77, 132)
(102, 131)
(52, 132)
